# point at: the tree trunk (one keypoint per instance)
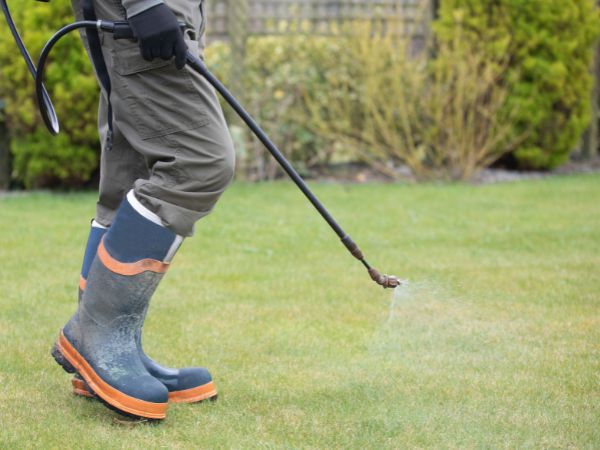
(591, 137)
(4, 153)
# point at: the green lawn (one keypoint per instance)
(494, 344)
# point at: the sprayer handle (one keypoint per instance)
(122, 30)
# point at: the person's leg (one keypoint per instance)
(181, 131)
(173, 119)
(120, 167)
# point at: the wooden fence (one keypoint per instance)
(237, 20)
(272, 17)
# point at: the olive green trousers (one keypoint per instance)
(171, 144)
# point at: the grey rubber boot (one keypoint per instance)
(185, 385)
(101, 341)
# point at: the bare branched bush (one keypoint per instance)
(444, 116)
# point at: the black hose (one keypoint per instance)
(387, 281)
(49, 116)
(43, 97)
(198, 65)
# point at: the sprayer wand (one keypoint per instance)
(121, 30)
(387, 281)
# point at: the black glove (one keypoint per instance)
(159, 35)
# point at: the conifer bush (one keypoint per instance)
(549, 44)
(39, 159)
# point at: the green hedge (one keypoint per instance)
(550, 49)
(41, 160)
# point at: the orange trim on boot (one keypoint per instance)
(194, 395)
(82, 283)
(130, 269)
(109, 394)
(80, 387)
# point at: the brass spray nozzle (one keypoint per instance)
(386, 281)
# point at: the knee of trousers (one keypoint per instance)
(222, 170)
(184, 188)
(203, 172)
(205, 180)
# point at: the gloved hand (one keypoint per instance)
(159, 35)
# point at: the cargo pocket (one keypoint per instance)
(156, 99)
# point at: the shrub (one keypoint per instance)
(40, 159)
(66, 162)
(549, 47)
(273, 89)
(442, 117)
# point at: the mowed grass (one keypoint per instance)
(494, 344)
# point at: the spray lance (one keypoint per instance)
(122, 30)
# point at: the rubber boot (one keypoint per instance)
(185, 385)
(97, 232)
(100, 342)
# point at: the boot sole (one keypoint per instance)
(72, 362)
(198, 394)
